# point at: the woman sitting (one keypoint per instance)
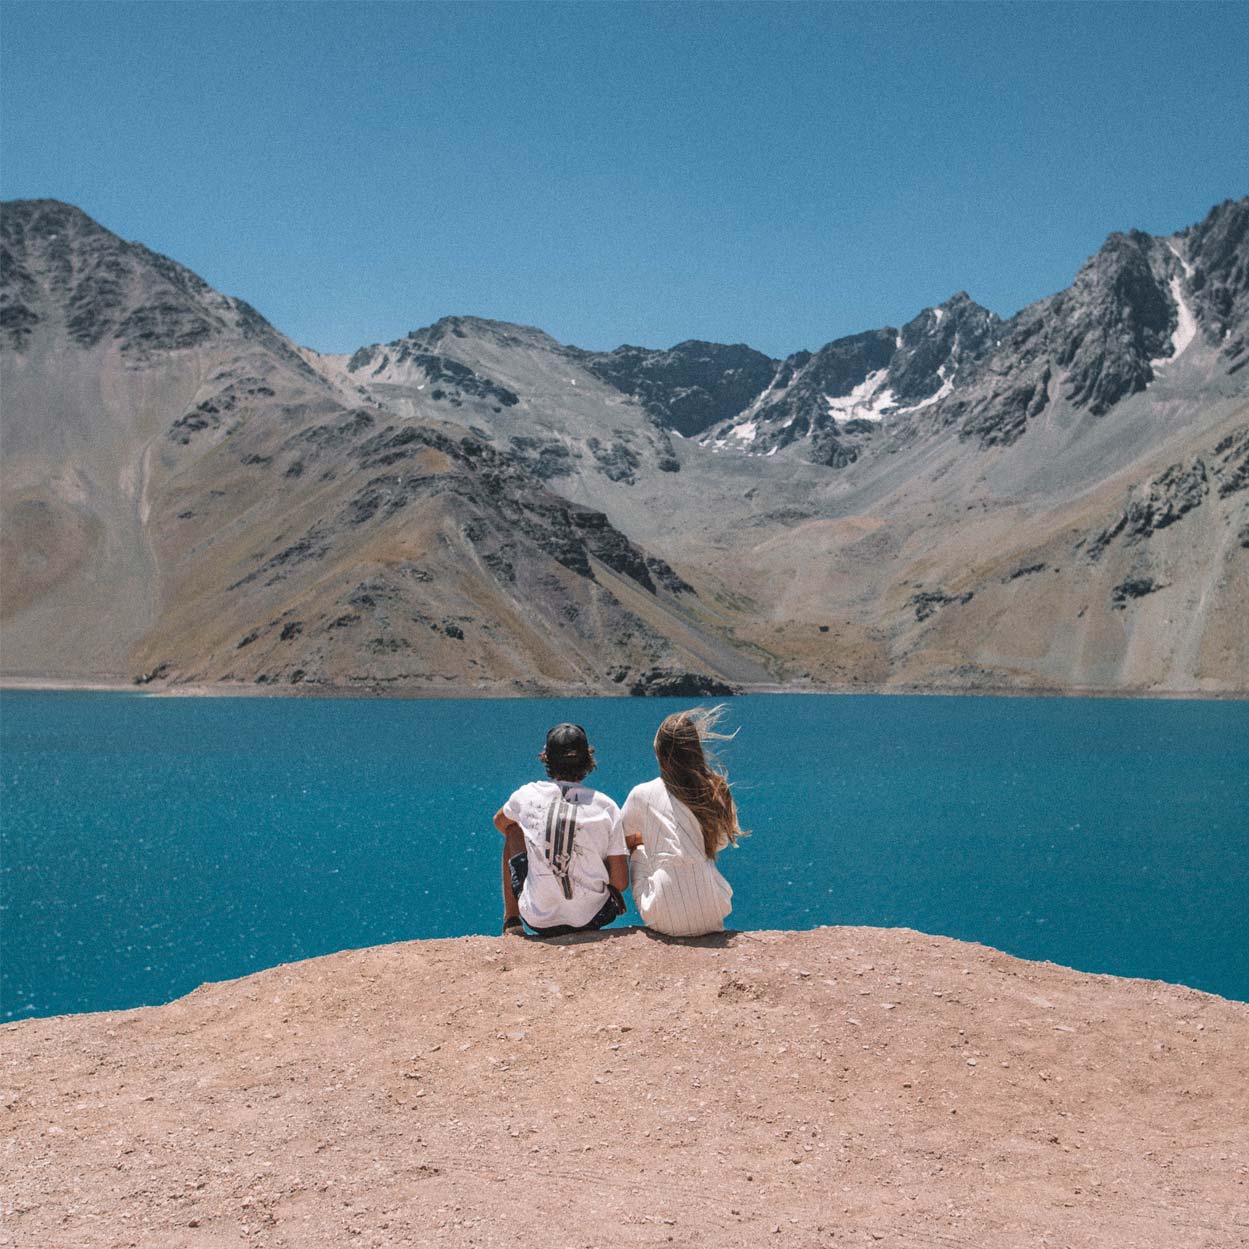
(675, 826)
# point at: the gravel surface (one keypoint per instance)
(840, 1086)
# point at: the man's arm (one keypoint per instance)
(513, 843)
(505, 825)
(618, 871)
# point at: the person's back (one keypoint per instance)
(544, 901)
(677, 889)
(675, 826)
(564, 858)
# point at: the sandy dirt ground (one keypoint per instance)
(842, 1086)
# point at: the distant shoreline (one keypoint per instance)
(240, 689)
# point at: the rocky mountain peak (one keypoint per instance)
(688, 387)
(1217, 266)
(836, 400)
(1137, 305)
(1121, 284)
(447, 333)
(23, 223)
(938, 347)
(61, 270)
(450, 360)
(53, 253)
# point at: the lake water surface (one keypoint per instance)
(152, 844)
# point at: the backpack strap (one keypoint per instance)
(561, 833)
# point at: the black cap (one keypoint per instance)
(567, 741)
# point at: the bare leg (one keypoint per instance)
(513, 843)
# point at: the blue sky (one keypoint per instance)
(779, 174)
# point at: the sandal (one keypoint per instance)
(514, 923)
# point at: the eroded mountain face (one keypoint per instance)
(187, 498)
(1054, 501)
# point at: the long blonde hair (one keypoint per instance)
(700, 783)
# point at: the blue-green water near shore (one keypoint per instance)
(150, 845)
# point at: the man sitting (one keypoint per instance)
(565, 865)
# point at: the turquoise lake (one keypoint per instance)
(150, 845)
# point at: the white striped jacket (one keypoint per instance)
(676, 888)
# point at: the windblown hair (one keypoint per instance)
(689, 776)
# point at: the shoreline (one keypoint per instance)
(240, 689)
(713, 940)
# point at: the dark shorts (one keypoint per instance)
(518, 869)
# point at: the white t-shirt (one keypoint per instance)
(598, 834)
(676, 887)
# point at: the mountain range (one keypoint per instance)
(1054, 502)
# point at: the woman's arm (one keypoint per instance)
(631, 817)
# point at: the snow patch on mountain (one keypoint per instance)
(1185, 328)
(743, 432)
(1188, 269)
(870, 400)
